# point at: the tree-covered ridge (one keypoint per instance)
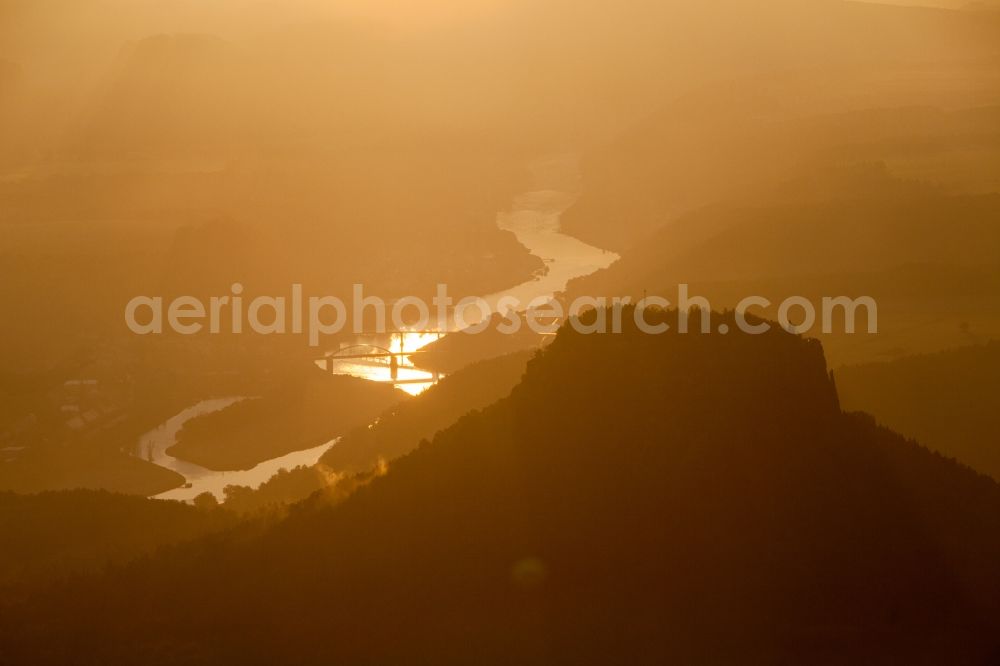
(305, 410)
(367, 450)
(691, 498)
(56, 534)
(949, 401)
(401, 428)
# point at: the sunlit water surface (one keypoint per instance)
(153, 447)
(533, 219)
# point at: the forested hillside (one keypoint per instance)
(637, 498)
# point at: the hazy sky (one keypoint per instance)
(949, 4)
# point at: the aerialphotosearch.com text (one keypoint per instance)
(322, 316)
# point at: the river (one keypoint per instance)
(533, 218)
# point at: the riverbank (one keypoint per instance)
(533, 218)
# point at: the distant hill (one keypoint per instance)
(927, 257)
(454, 352)
(300, 413)
(372, 448)
(950, 400)
(779, 239)
(400, 430)
(636, 499)
(755, 145)
(57, 534)
(41, 468)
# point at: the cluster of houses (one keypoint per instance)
(88, 405)
(78, 408)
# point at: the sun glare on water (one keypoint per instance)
(368, 359)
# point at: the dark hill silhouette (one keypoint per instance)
(365, 451)
(346, 150)
(454, 352)
(949, 400)
(58, 467)
(400, 429)
(636, 499)
(56, 534)
(305, 410)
